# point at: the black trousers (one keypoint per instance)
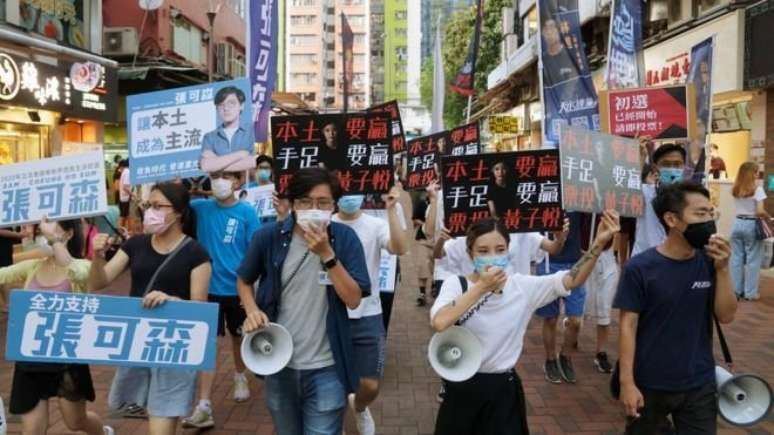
(693, 412)
(486, 404)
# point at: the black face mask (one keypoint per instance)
(698, 234)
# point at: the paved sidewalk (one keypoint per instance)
(407, 403)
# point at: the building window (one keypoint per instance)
(187, 41)
(401, 32)
(530, 23)
(303, 40)
(352, 2)
(239, 7)
(302, 3)
(302, 20)
(309, 97)
(299, 59)
(704, 6)
(359, 58)
(400, 15)
(360, 38)
(304, 78)
(356, 20)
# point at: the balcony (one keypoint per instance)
(517, 61)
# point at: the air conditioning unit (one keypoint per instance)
(120, 41)
(223, 56)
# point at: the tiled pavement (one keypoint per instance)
(407, 404)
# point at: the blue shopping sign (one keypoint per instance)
(45, 326)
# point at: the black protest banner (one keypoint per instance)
(355, 146)
(462, 141)
(424, 152)
(522, 189)
(599, 172)
(398, 138)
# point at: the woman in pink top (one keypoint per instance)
(60, 270)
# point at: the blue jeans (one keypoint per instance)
(573, 304)
(306, 402)
(746, 257)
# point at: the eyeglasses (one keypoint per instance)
(157, 206)
(308, 203)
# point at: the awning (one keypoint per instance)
(520, 87)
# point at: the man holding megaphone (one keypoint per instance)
(667, 296)
(497, 308)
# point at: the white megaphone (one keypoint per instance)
(267, 350)
(455, 354)
(3, 421)
(743, 400)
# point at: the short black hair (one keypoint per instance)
(307, 179)
(178, 195)
(671, 198)
(75, 246)
(666, 149)
(223, 93)
(485, 226)
(123, 163)
(264, 158)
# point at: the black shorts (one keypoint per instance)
(231, 314)
(31, 385)
(123, 208)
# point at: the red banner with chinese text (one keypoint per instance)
(657, 113)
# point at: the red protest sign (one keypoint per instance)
(657, 113)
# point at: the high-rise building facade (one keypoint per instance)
(395, 49)
(431, 10)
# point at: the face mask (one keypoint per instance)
(42, 244)
(698, 234)
(222, 188)
(154, 221)
(350, 204)
(264, 174)
(482, 262)
(670, 175)
(313, 216)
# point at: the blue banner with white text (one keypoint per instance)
(623, 54)
(700, 75)
(569, 97)
(54, 327)
(262, 69)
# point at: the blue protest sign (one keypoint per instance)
(185, 132)
(56, 327)
(64, 187)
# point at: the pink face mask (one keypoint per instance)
(154, 221)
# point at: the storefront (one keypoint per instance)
(51, 105)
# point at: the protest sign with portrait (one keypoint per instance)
(424, 153)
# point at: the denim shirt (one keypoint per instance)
(264, 260)
(217, 141)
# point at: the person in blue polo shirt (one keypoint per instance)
(310, 271)
(225, 227)
(667, 296)
(229, 147)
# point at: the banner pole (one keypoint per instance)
(470, 102)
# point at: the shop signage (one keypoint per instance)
(657, 113)
(62, 20)
(80, 90)
(504, 124)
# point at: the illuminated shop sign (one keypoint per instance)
(81, 89)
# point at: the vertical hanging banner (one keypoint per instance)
(569, 97)
(625, 45)
(600, 172)
(439, 81)
(522, 189)
(465, 83)
(262, 54)
(347, 58)
(700, 75)
(355, 146)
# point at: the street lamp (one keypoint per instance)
(212, 12)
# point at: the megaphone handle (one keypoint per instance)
(723, 345)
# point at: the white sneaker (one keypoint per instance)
(201, 419)
(363, 420)
(241, 388)
(108, 430)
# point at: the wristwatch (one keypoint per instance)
(330, 264)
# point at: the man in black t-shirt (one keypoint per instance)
(665, 295)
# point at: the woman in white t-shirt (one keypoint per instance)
(746, 248)
(496, 308)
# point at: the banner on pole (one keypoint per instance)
(700, 75)
(65, 187)
(75, 328)
(656, 113)
(625, 46)
(262, 54)
(522, 189)
(600, 172)
(465, 83)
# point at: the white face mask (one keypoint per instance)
(314, 216)
(222, 188)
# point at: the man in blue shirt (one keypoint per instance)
(310, 271)
(225, 227)
(229, 147)
(667, 296)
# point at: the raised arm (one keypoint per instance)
(399, 243)
(725, 298)
(554, 246)
(103, 273)
(608, 227)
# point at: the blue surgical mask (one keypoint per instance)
(482, 262)
(670, 175)
(350, 204)
(264, 174)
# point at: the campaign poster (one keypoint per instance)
(522, 189)
(354, 146)
(65, 187)
(600, 172)
(423, 160)
(398, 138)
(666, 113)
(464, 140)
(569, 96)
(189, 131)
(624, 65)
(260, 199)
(700, 75)
(72, 328)
(263, 31)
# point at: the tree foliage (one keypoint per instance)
(456, 38)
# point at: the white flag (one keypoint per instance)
(439, 82)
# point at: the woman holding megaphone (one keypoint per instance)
(496, 309)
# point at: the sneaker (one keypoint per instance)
(363, 420)
(441, 393)
(421, 301)
(565, 368)
(602, 364)
(551, 369)
(241, 388)
(201, 419)
(108, 430)
(130, 410)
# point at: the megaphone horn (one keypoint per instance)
(455, 354)
(743, 400)
(267, 350)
